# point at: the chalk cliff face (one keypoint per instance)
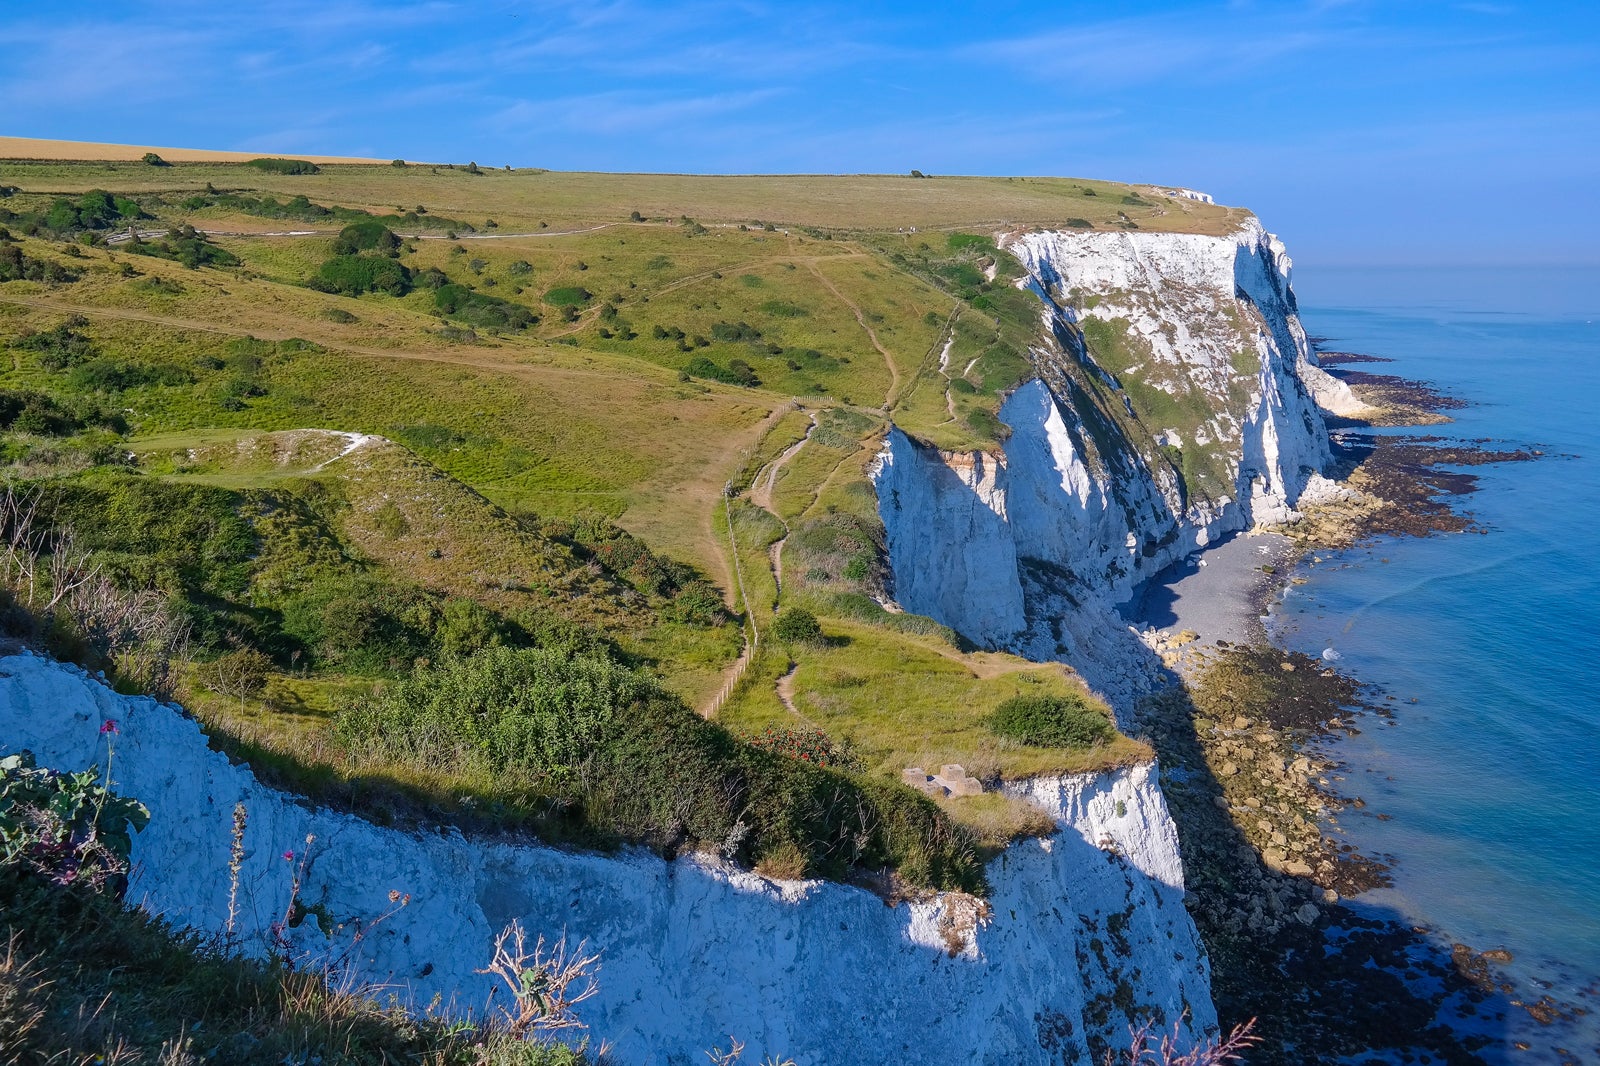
(1177, 400)
(1079, 927)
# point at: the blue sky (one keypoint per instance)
(1396, 131)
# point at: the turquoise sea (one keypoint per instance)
(1485, 791)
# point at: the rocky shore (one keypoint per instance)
(1258, 804)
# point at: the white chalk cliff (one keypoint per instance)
(1081, 927)
(1026, 547)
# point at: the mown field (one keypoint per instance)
(620, 430)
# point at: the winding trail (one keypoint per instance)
(786, 696)
(761, 489)
(760, 494)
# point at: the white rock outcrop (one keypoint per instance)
(1083, 503)
(1079, 926)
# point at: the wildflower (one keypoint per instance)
(288, 856)
(108, 726)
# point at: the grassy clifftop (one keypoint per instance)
(376, 423)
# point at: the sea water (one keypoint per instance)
(1484, 785)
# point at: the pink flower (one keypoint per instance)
(108, 726)
(288, 856)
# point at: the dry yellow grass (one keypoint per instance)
(38, 148)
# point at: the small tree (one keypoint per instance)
(398, 163)
(151, 159)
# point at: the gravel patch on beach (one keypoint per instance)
(1215, 594)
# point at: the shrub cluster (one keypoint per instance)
(368, 235)
(568, 296)
(301, 208)
(352, 275)
(1069, 721)
(61, 347)
(730, 332)
(185, 245)
(26, 411)
(737, 372)
(808, 745)
(481, 309)
(94, 210)
(689, 596)
(620, 758)
(17, 266)
(109, 375)
(271, 165)
(839, 549)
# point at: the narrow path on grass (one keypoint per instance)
(761, 495)
(786, 697)
(752, 635)
(861, 319)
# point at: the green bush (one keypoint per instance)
(1070, 721)
(737, 372)
(59, 348)
(284, 166)
(26, 411)
(94, 210)
(615, 756)
(796, 625)
(368, 235)
(568, 296)
(730, 332)
(352, 275)
(117, 375)
(480, 309)
(15, 266)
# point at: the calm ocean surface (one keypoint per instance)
(1491, 779)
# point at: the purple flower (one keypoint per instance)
(108, 726)
(288, 856)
